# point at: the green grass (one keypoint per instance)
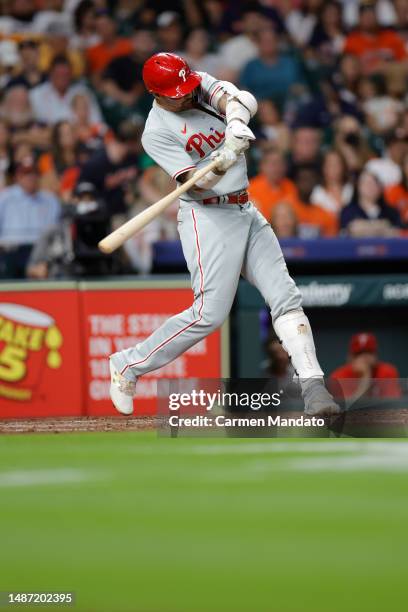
(135, 522)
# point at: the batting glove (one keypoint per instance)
(237, 136)
(225, 159)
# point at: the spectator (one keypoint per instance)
(51, 101)
(334, 191)
(324, 108)
(314, 221)
(29, 74)
(327, 40)
(382, 112)
(60, 160)
(306, 146)
(86, 132)
(170, 32)
(384, 9)
(365, 374)
(122, 80)
(271, 127)
(24, 16)
(85, 29)
(273, 74)
(213, 13)
(57, 43)
(397, 195)
(109, 47)
(115, 168)
(375, 46)
(271, 185)
(347, 78)
(21, 151)
(401, 22)
(197, 53)
(25, 212)
(70, 247)
(351, 143)
(16, 110)
(9, 60)
(153, 186)
(368, 214)
(301, 22)
(388, 168)
(236, 52)
(284, 220)
(5, 154)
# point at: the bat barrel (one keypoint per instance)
(112, 242)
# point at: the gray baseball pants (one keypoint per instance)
(220, 242)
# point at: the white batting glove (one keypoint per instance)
(225, 158)
(237, 136)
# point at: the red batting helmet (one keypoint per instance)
(169, 75)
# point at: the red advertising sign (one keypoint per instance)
(40, 371)
(117, 319)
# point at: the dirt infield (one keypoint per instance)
(352, 423)
(77, 424)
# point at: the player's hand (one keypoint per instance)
(225, 158)
(237, 136)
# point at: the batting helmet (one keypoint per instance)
(169, 75)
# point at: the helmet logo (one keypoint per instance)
(182, 74)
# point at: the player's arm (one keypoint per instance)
(238, 107)
(226, 158)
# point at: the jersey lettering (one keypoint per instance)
(196, 140)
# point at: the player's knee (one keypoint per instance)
(213, 320)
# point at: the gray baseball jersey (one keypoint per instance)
(179, 142)
(220, 241)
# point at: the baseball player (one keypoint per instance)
(196, 118)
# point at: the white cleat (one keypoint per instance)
(318, 401)
(122, 391)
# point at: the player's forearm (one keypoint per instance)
(206, 183)
(222, 104)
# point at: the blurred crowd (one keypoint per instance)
(331, 155)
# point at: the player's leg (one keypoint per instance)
(266, 269)
(213, 241)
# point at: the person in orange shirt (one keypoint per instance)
(364, 374)
(372, 44)
(271, 186)
(397, 195)
(317, 222)
(110, 47)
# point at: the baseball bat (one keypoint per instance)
(116, 238)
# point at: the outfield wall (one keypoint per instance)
(55, 339)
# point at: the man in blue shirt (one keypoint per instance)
(25, 213)
(273, 73)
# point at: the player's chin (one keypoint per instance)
(185, 103)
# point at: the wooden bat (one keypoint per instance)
(116, 238)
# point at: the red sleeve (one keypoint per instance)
(397, 45)
(389, 383)
(352, 45)
(344, 371)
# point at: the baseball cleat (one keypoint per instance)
(318, 401)
(122, 391)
